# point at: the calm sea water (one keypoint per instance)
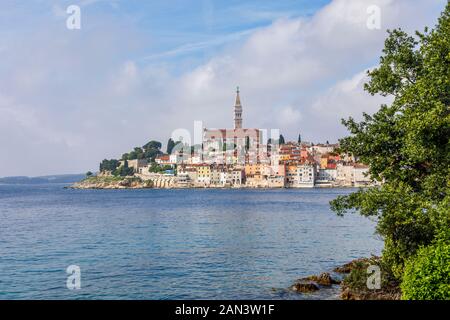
(172, 244)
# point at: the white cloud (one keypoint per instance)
(288, 116)
(347, 98)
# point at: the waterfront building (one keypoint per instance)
(204, 174)
(344, 174)
(166, 160)
(188, 170)
(276, 181)
(326, 176)
(237, 177)
(252, 170)
(301, 175)
(360, 175)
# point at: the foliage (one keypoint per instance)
(137, 153)
(152, 145)
(149, 152)
(103, 179)
(156, 168)
(281, 141)
(89, 174)
(299, 140)
(170, 146)
(406, 144)
(123, 170)
(358, 276)
(109, 165)
(427, 275)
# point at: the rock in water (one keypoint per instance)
(305, 286)
(324, 279)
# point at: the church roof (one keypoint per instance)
(231, 133)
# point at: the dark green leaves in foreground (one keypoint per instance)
(406, 145)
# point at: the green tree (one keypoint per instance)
(281, 141)
(137, 153)
(124, 170)
(299, 140)
(89, 174)
(109, 165)
(170, 146)
(152, 145)
(151, 150)
(156, 168)
(406, 144)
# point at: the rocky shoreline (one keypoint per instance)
(314, 283)
(351, 287)
(137, 182)
(112, 183)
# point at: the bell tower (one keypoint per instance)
(237, 111)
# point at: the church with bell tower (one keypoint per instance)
(232, 144)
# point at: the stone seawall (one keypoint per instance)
(166, 182)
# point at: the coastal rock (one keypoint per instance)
(346, 294)
(314, 283)
(355, 264)
(304, 286)
(324, 279)
(354, 286)
(384, 294)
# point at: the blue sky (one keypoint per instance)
(138, 70)
(175, 29)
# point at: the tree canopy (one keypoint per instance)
(170, 145)
(123, 170)
(109, 165)
(406, 144)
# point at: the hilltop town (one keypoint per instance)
(233, 158)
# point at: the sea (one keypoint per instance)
(59, 243)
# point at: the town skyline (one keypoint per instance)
(237, 157)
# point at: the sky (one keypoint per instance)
(139, 70)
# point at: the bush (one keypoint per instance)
(357, 278)
(427, 275)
